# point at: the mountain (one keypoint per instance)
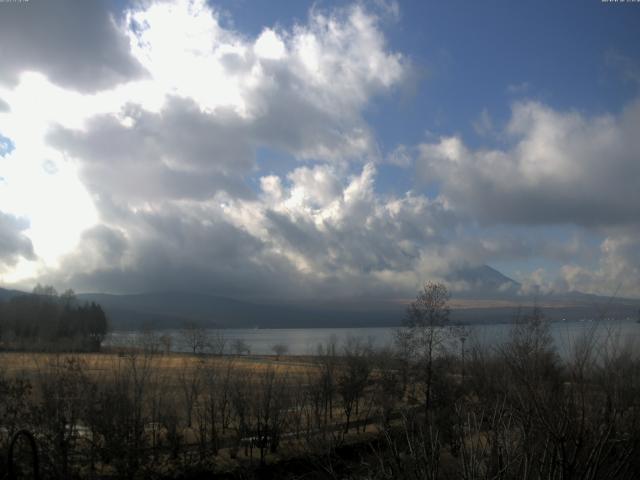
(173, 309)
(483, 295)
(483, 281)
(8, 294)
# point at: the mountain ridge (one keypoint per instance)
(491, 297)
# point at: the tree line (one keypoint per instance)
(45, 320)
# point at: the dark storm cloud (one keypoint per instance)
(106, 243)
(73, 42)
(13, 243)
(179, 153)
(235, 246)
(300, 235)
(171, 250)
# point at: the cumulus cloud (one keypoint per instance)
(329, 227)
(177, 153)
(562, 168)
(170, 148)
(401, 156)
(165, 250)
(613, 269)
(314, 233)
(14, 244)
(617, 270)
(171, 183)
(301, 91)
(76, 44)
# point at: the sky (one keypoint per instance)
(305, 150)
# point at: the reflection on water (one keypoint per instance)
(304, 341)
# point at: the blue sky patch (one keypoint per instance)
(6, 146)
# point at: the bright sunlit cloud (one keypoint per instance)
(182, 144)
(181, 45)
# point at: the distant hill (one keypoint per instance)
(8, 294)
(483, 282)
(488, 297)
(172, 309)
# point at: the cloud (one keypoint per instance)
(617, 271)
(6, 146)
(14, 244)
(177, 153)
(612, 270)
(401, 156)
(561, 168)
(316, 233)
(483, 125)
(343, 237)
(558, 170)
(172, 184)
(170, 149)
(301, 92)
(167, 250)
(76, 44)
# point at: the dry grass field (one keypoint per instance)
(169, 367)
(176, 400)
(138, 413)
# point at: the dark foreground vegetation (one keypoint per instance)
(47, 321)
(437, 406)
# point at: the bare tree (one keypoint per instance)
(240, 347)
(190, 380)
(121, 415)
(68, 298)
(61, 384)
(353, 377)
(15, 400)
(194, 337)
(166, 340)
(239, 402)
(388, 387)
(404, 352)
(280, 349)
(217, 342)
(327, 360)
(267, 407)
(149, 341)
(424, 328)
(214, 414)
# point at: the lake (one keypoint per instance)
(304, 341)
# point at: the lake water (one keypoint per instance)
(304, 341)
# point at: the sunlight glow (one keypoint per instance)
(181, 45)
(39, 183)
